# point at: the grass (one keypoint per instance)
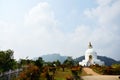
(60, 75)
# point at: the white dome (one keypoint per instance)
(90, 51)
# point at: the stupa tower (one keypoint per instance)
(91, 57)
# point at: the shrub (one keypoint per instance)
(107, 70)
(30, 73)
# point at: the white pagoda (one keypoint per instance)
(91, 57)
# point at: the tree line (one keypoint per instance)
(31, 68)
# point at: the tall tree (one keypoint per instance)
(39, 62)
(69, 62)
(57, 63)
(7, 61)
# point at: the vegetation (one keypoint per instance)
(39, 62)
(7, 61)
(31, 72)
(69, 62)
(107, 70)
(40, 70)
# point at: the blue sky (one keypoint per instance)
(34, 28)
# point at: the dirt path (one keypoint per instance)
(101, 77)
(90, 71)
(91, 75)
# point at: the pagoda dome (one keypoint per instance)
(90, 52)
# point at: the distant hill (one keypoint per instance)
(54, 57)
(108, 61)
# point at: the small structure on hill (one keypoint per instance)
(90, 57)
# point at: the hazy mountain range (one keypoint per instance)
(54, 57)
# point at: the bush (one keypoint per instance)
(107, 70)
(30, 73)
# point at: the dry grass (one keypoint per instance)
(60, 75)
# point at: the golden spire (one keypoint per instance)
(90, 45)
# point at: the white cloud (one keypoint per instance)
(105, 14)
(40, 14)
(103, 2)
(7, 32)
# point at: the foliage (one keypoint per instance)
(107, 70)
(76, 70)
(58, 63)
(116, 66)
(39, 62)
(31, 72)
(7, 60)
(49, 63)
(24, 62)
(69, 62)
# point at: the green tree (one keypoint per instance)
(7, 60)
(69, 62)
(39, 62)
(22, 62)
(57, 63)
